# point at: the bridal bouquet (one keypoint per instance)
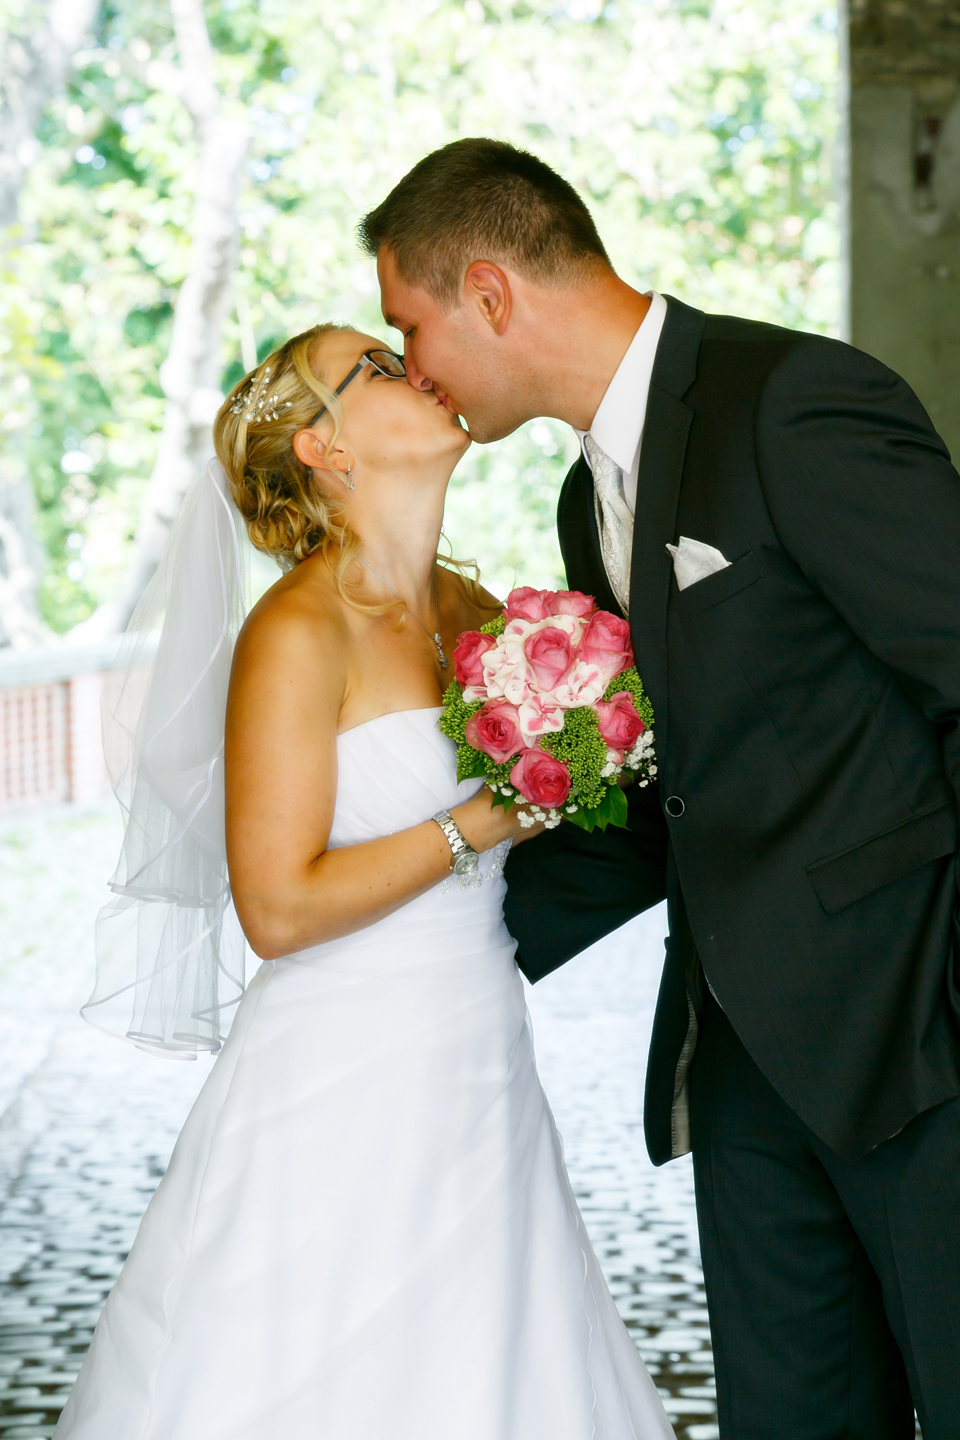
(548, 708)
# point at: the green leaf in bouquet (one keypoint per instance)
(613, 808)
(581, 817)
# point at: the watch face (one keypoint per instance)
(466, 863)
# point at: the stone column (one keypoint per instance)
(903, 229)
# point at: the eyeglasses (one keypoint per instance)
(385, 362)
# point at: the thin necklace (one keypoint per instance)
(436, 637)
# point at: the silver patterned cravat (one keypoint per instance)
(613, 520)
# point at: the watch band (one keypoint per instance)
(459, 845)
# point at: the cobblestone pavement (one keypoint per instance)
(88, 1125)
(591, 1023)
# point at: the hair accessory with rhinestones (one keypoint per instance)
(256, 403)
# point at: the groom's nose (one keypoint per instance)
(416, 377)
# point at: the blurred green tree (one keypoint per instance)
(39, 39)
(699, 131)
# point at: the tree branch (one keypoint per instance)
(198, 88)
(190, 375)
(34, 62)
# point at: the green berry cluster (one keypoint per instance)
(456, 712)
(582, 749)
(494, 627)
(631, 682)
(452, 723)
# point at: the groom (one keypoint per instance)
(779, 520)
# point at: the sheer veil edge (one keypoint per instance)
(171, 957)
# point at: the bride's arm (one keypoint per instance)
(288, 682)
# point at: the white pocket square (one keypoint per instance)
(693, 561)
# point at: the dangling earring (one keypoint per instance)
(350, 484)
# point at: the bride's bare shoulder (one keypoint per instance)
(470, 605)
(295, 628)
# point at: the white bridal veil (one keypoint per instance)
(170, 952)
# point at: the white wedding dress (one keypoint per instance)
(366, 1231)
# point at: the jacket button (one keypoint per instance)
(674, 806)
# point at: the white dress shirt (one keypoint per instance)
(617, 427)
(618, 424)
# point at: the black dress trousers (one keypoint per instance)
(833, 1285)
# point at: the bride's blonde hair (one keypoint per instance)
(287, 514)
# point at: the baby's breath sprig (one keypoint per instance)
(498, 779)
(642, 758)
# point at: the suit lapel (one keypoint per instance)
(662, 453)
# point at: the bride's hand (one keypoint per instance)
(484, 824)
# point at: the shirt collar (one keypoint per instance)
(618, 424)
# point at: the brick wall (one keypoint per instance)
(50, 747)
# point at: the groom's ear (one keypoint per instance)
(487, 287)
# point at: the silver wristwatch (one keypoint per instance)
(466, 861)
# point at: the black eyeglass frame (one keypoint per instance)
(365, 359)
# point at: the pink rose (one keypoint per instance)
(541, 779)
(525, 603)
(574, 602)
(620, 725)
(495, 730)
(470, 649)
(606, 644)
(549, 653)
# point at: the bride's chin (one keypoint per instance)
(456, 439)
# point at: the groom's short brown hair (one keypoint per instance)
(483, 200)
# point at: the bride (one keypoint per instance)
(366, 1228)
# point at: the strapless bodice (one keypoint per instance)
(394, 772)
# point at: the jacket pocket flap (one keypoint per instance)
(842, 879)
(712, 589)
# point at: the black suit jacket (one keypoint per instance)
(807, 701)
